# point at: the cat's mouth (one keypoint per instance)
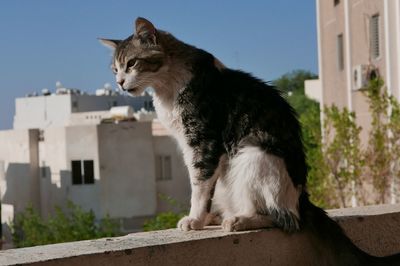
(132, 90)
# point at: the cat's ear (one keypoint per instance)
(110, 43)
(145, 30)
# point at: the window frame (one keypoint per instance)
(82, 172)
(163, 167)
(374, 39)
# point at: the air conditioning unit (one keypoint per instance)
(360, 77)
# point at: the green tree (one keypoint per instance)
(378, 164)
(317, 170)
(292, 84)
(342, 154)
(74, 224)
(394, 144)
(383, 146)
(378, 151)
(294, 81)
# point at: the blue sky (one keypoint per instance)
(45, 41)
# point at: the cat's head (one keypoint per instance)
(137, 60)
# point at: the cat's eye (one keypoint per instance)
(114, 70)
(131, 63)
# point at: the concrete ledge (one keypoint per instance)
(375, 229)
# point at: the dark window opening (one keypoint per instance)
(88, 172)
(82, 172)
(76, 172)
(163, 167)
(336, 2)
(374, 39)
(340, 52)
(43, 169)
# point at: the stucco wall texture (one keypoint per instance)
(375, 229)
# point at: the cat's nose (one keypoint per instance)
(121, 83)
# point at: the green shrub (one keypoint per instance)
(29, 229)
(166, 220)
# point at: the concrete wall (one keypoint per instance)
(37, 169)
(87, 118)
(82, 143)
(19, 183)
(53, 165)
(334, 80)
(89, 103)
(123, 157)
(55, 110)
(127, 174)
(41, 111)
(313, 89)
(376, 230)
(352, 19)
(178, 188)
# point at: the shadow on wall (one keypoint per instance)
(20, 189)
(54, 188)
(15, 188)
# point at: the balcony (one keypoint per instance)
(375, 229)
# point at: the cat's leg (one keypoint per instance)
(247, 222)
(201, 197)
(199, 204)
(261, 192)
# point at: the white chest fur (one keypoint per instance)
(169, 116)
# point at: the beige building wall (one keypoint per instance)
(351, 18)
(123, 155)
(127, 174)
(123, 159)
(52, 152)
(36, 168)
(178, 187)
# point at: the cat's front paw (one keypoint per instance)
(188, 223)
(235, 224)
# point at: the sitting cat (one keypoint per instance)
(240, 139)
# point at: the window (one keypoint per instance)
(336, 2)
(163, 167)
(374, 36)
(88, 172)
(74, 104)
(43, 169)
(82, 172)
(340, 52)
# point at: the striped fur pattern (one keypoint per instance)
(240, 139)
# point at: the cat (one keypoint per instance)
(240, 139)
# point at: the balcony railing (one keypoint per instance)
(375, 229)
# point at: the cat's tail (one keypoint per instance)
(330, 241)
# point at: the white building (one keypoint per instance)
(107, 164)
(56, 109)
